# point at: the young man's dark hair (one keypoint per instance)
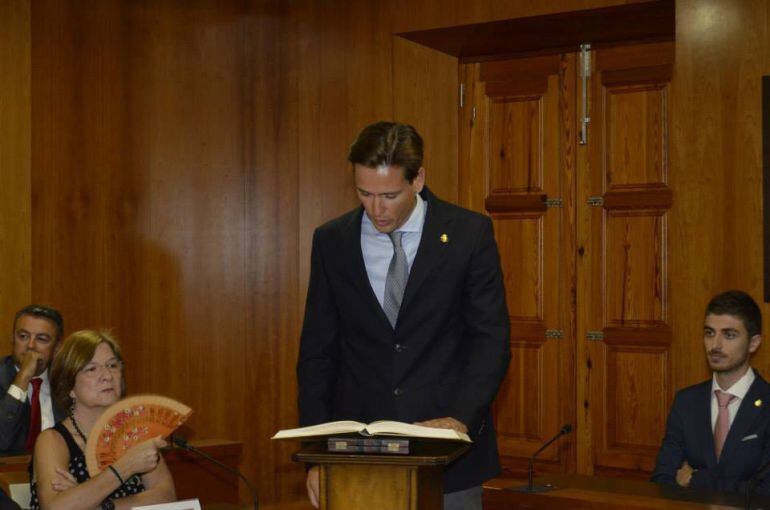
(388, 144)
(738, 304)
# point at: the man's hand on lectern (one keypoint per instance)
(444, 423)
(684, 474)
(312, 485)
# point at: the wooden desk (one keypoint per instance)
(363, 481)
(194, 477)
(596, 493)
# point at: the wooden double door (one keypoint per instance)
(568, 154)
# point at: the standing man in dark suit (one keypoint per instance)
(718, 434)
(405, 316)
(26, 390)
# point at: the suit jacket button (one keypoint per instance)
(398, 348)
(398, 392)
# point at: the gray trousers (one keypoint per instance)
(468, 499)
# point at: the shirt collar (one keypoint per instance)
(416, 219)
(740, 388)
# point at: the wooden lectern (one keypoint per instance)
(372, 481)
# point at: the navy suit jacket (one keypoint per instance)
(450, 348)
(14, 414)
(689, 437)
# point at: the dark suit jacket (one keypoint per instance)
(14, 415)
(450, 348)
(689, 437)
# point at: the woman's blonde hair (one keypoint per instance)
(75, 353)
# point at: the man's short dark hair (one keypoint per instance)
(42, 312)
(738, 304)
(388, 144)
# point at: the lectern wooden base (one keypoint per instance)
(357, 481)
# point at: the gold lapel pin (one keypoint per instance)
(758, 403)
(444, 238)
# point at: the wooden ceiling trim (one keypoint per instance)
(554, 33)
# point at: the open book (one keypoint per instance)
(376, 428)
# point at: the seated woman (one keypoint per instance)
(86, 378)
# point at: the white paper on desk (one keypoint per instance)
(19, 492)
(188, 504)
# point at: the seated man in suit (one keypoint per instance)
(26, 392)
(717, 433)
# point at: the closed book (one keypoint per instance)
(369, 445)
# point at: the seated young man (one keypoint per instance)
(717, 434)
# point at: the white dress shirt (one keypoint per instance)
(739, 389)
(377, 248)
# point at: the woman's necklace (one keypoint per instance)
(77, 428)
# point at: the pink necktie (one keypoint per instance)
(723, 420)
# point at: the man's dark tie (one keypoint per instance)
(395, 282)
(35, 419)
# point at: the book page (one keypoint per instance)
(323, 429)
(407, 429)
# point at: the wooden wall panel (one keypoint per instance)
(636, 269)
(15, 134)
(521, 256)
(635, 416)
(514, 161)
(158, 182)
(516, 126)
(623, 276)
(716, 140)
(425, 94)
(527, 387)
(345, 82)
(636, 137)
(517, 391)
(166, 136)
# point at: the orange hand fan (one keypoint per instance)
(129, 422)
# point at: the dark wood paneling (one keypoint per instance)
(554, 33)
(512, 155)
(422, 80)
(627, 240)
(164, 154)
(716, 169)
(15, 133)
(127, 122)
(503, 204)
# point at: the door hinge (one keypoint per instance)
(594, 335)
(554, 333)
(595, 201)
(585, 73)
(462, 94)
(554, 202)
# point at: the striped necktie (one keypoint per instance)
(395, 282)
